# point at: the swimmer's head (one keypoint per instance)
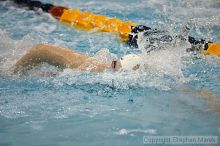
(127, 63)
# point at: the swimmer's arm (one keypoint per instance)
(211, 98)
(60, 57)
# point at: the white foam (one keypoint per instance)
(133, 131)
(105, 56)
(44, 27)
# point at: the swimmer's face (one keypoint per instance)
(116, 65)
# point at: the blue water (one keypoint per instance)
(103, 109)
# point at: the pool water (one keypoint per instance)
(52, 107)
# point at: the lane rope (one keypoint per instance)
(126, 30)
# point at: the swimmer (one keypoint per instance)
(66, 58)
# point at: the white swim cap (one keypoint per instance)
(130, 62)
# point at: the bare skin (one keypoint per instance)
(60, 57)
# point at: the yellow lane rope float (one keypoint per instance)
(212, 49)
(128, 31)
(88, 21)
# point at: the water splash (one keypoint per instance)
(11, 50)
(165, 67)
